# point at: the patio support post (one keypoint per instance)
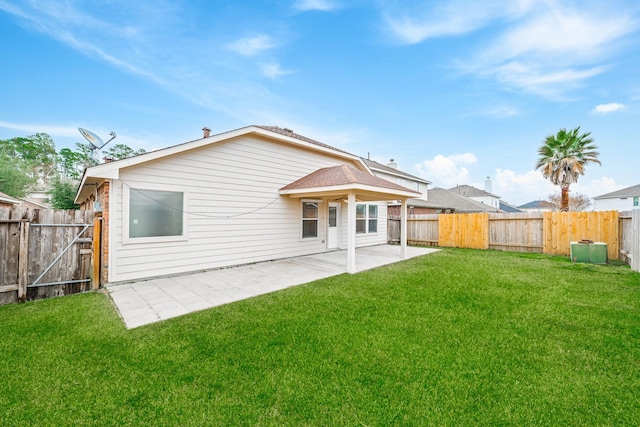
(351, 233)
(403, 228)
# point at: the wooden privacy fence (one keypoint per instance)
(45, 253)
(630, 238)
(542, 232)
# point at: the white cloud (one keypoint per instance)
(250, 46)
(446, 171)
(554, 48)
(519, 189)
(608, 108)
(413, 25)
(543, 47)
(273, 71)
(52, 130)
(322, 5)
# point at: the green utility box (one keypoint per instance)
(598, 253)
(580, 252)
(593, 252)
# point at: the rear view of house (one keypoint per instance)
(252, 194)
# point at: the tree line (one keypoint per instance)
(32, 163)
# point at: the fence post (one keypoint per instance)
(23, 261)
(635, 242)
(97, 253)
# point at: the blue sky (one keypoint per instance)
(454, 91)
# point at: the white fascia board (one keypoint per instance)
(346, 188)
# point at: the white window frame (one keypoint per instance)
(367, 218)
(126, 195)
(303, 219)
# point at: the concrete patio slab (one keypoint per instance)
(144, 302)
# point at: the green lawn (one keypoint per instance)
(458, 337)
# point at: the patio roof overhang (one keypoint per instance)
(348, 184)
(340, 192)
(340, 181)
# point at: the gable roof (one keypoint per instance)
(5, 198)
(632, 191)
(339, 179)
(507, 207)
(471, 191)
(111, 170)
(457, 201)
(375, 166)
(537, 204)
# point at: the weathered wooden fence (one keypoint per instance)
(542, 232)
(44, 253)
(630, 238)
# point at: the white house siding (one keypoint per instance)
(235, 215)
(405, 182)
(614, 204)
(487, 200)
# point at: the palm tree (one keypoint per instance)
(563, 157)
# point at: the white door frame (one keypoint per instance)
(333, 233)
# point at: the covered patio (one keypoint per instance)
(347, 184)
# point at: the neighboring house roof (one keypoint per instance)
(537, 204)
(458, 202)
(633, 191)
(7, 199)
(96, 174)
(375, 166)
(340, 178)
(471, 191)
(506, 207)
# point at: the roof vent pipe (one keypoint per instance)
(206, 131)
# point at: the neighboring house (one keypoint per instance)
(391, 173)
(537, 206)
(7, 201)
(450, 202)
(508, 208)
(253, 194)
(483, 196)
(621, 200)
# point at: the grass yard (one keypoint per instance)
(459, 337)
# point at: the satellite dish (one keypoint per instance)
(95, 141)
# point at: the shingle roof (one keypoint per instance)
(537, 204)
(372, 164)
(457, 201)
(8, 199)
(632, 191)
(342, 175)
(470, 191)
(506, 207)
(292, 134)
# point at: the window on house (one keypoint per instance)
(635, 201)
(309, 219)
(366, 219)
(154, 213)
(373, 219)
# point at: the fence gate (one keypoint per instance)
(44, 253)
